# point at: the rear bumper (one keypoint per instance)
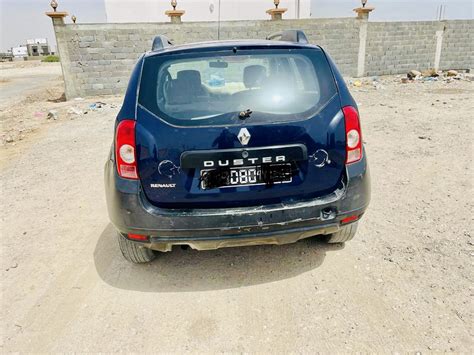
(130, 212)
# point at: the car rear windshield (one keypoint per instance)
(209, 88)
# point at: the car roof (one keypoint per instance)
(217, 45)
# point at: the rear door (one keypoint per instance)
(238, 127)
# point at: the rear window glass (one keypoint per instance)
(210, 88)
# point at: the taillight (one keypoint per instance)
(353, 135)
(138, 237)
(125, 150)
(349, 219)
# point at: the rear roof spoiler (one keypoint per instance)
(297, 36)
(161, 42)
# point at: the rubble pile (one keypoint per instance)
(413, 76)
(433, 75)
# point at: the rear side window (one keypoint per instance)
(209, 88)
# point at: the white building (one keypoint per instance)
(20, 51)
(37, 41)
(201, 10)
(38, 47)
(208, 10)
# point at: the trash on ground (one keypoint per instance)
(75, 111)
(430, 73)
(14, 266)
(413, 74)
(61, 98)
(52, 114)
(96, 105)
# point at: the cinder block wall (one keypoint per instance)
(97, 58)
(458, 45)
(397, 47)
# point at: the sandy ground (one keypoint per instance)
(27, 90)
(18, 79)
(405, 283)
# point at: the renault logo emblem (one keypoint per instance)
(244, 136)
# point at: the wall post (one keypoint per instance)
(276, 13)
(439, 46)
(363, 18)
(57, 18)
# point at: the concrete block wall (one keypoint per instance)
(97, 58)
(397, 47)
(458, 45)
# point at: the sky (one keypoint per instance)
(24, 19)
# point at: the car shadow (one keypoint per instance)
(191, 270)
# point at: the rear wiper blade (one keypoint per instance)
(245, 114)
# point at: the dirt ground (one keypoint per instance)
(405, 283)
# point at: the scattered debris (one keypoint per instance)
(377, 85)
(469, 77)
(61, 98)
(412, 74)
(75, 111)
(9, 139)
(430, 73)
(12, 267)
(357, 83)
(97, 105)
(52, 114)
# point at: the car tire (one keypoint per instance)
(345, 234)
(134, 252)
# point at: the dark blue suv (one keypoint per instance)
(234, 143)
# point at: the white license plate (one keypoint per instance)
(246, 176)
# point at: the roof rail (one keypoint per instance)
(297, 36)
(160, 42)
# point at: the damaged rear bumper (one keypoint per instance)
(130, 212)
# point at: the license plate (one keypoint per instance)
(246, 176)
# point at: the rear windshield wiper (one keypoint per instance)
(245, 114)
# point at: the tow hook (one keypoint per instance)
(328, 213)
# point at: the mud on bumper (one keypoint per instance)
(130, 212)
